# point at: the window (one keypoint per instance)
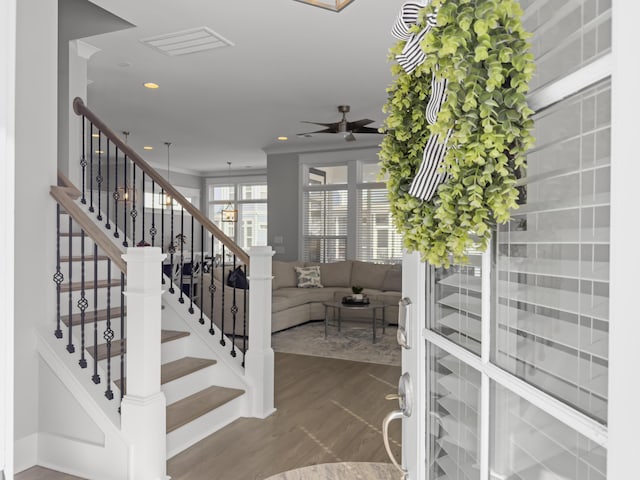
(249, 198)
(346, 215)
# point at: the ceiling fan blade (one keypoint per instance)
(332, 126)
(326, 130)
(365, 130)
(358, 124)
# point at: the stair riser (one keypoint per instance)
(89, 268)
(89, 295)
(76, 245)
(89, 330)
(176, 350)
(191, 433)
(189, 384)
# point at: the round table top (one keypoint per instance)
(353, 305)
(342, 471)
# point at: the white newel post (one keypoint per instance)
(144, 405)
(259, 363)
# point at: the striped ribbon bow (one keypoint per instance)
(412, 55)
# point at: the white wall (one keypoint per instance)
(7, 165)
(36, 152)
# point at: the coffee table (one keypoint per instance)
(338, 306)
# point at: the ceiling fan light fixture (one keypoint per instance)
(333, 5)
(349, 137)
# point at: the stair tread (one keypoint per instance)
(180, 368)
(87, 258)
(188, 409)
(166, 336)
(89, 316)
(77, 286)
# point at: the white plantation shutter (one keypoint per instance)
(377, 238)
(326, 211)
(553, 258)
(537, 344)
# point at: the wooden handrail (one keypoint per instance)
(61, 194)
(81, 109)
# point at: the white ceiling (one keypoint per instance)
(290, 62)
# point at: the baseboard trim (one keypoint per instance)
(25, 452)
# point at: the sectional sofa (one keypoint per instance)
(293, 306)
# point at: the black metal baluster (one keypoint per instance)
(123, 380)
(83, 160)
(108, 189)
(143, 215)
(193, 264)
(162, 232)
(224, 266)
(172, 250)
(82, 303)
(153, 231)
(234, 314)
(108, 333)
(244, 320)
(212, 289)
(134, 211)
(125, 243)
(99, 176)
(58, 277)
(91, 209)
(116, 196)
(70, 347)
(202, 263)
(95, 377)
(181, 286)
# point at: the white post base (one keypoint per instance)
(144, 424)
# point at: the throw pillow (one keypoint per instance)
(308, 277)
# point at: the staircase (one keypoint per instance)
(202, 374)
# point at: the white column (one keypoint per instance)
(144, 405)
(7, 217)
(79, 54)
(624, 332)
(259, 363)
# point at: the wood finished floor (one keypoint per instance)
(328, 411)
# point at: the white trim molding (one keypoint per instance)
(7, 215)
(624, 328)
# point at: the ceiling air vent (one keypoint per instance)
(187, 41)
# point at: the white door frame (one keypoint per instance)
(7, 187)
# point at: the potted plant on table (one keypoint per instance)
(357, 293)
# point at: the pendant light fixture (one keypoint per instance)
(167, 201)
(229, 213)
(333, 5)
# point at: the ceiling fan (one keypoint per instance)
(343, 126)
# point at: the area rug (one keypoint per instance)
(352, 343)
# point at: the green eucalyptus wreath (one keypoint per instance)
(481, 48)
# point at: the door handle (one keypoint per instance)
(391, 416)
(405, 402)
(404, 310)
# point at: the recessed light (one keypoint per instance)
(151, 85)
(99, 151)
(283, 139)
(95, 135)
(147, 147)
